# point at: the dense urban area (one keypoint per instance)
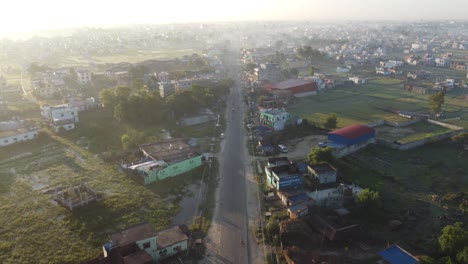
(249, 142)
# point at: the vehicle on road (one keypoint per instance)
(322, 144)
(283, 148)
(221, 136)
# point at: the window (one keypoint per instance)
(72, 113)
(61, 114)
(26, 136)
(146, 245)
(177, 249)
(5, 141)
(163, 252)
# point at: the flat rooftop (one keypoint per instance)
(133, 234)
(279, 161)
(168, 149)
(284, 171)
(170, 236)
(322, 168)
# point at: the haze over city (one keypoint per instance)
(29, 16)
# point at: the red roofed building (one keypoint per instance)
(297, 87)
(351, 138)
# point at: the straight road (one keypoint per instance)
(229, 239)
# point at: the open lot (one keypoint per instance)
(41, 231)
(409, 133)
(362, 104)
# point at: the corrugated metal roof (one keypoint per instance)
(397, 255)
(353, 131)
(292, 83)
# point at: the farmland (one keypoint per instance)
(363, 104)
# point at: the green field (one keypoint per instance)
(363, 104)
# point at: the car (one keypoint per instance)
(283, 148)
(249, 125)
(322, 144)
(221, 136)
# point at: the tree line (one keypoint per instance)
(140, 106)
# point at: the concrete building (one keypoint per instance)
(270, 72)
(165, 159)
(275, 119)
(166, 88)
(61, 116)
(183, 84)
(142, 244)
(12, 132)
(83, 76)
(297, 87)
(283, 177)
(163, 76)
(323, 173)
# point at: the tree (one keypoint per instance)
(272, 227)
(461, 139)
(436, 101)
(294, 72)
(368, 200)
(330, 122)
(311, 70)
(462, 256)
(125, 140)
(321, 155)
(261, 100)
(453, 239)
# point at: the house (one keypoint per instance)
(297, 87)
(83, 104)
(141, 244)
(283, 177)
(203, 116)
(323, 173)
(357, 80)
(269, 72)
(458, 65)
(16, 131)
(183, 84)
(414, 89)
(163, 76)
(164, 159)
(397, 255)
(343, 69)
(275, 119)
(60, 116)
(166, 88)
(350, 139)
(83, 76)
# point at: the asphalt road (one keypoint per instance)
(231, 240)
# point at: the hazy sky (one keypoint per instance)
(32, 15)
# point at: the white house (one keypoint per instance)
(61, 116)
(83, 76)
(342, 69)
(15, 131)
(275, 119)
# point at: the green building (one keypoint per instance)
(166, 159)
(142, 244)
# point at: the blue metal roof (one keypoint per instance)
(397, 255)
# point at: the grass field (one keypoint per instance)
(40, 231)
(361, 105)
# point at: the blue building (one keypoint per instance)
(397, 255)
(351, 135)
(283, 177)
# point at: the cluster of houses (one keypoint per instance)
(142, 244)
(51, 83)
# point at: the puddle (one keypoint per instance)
(188, 205)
